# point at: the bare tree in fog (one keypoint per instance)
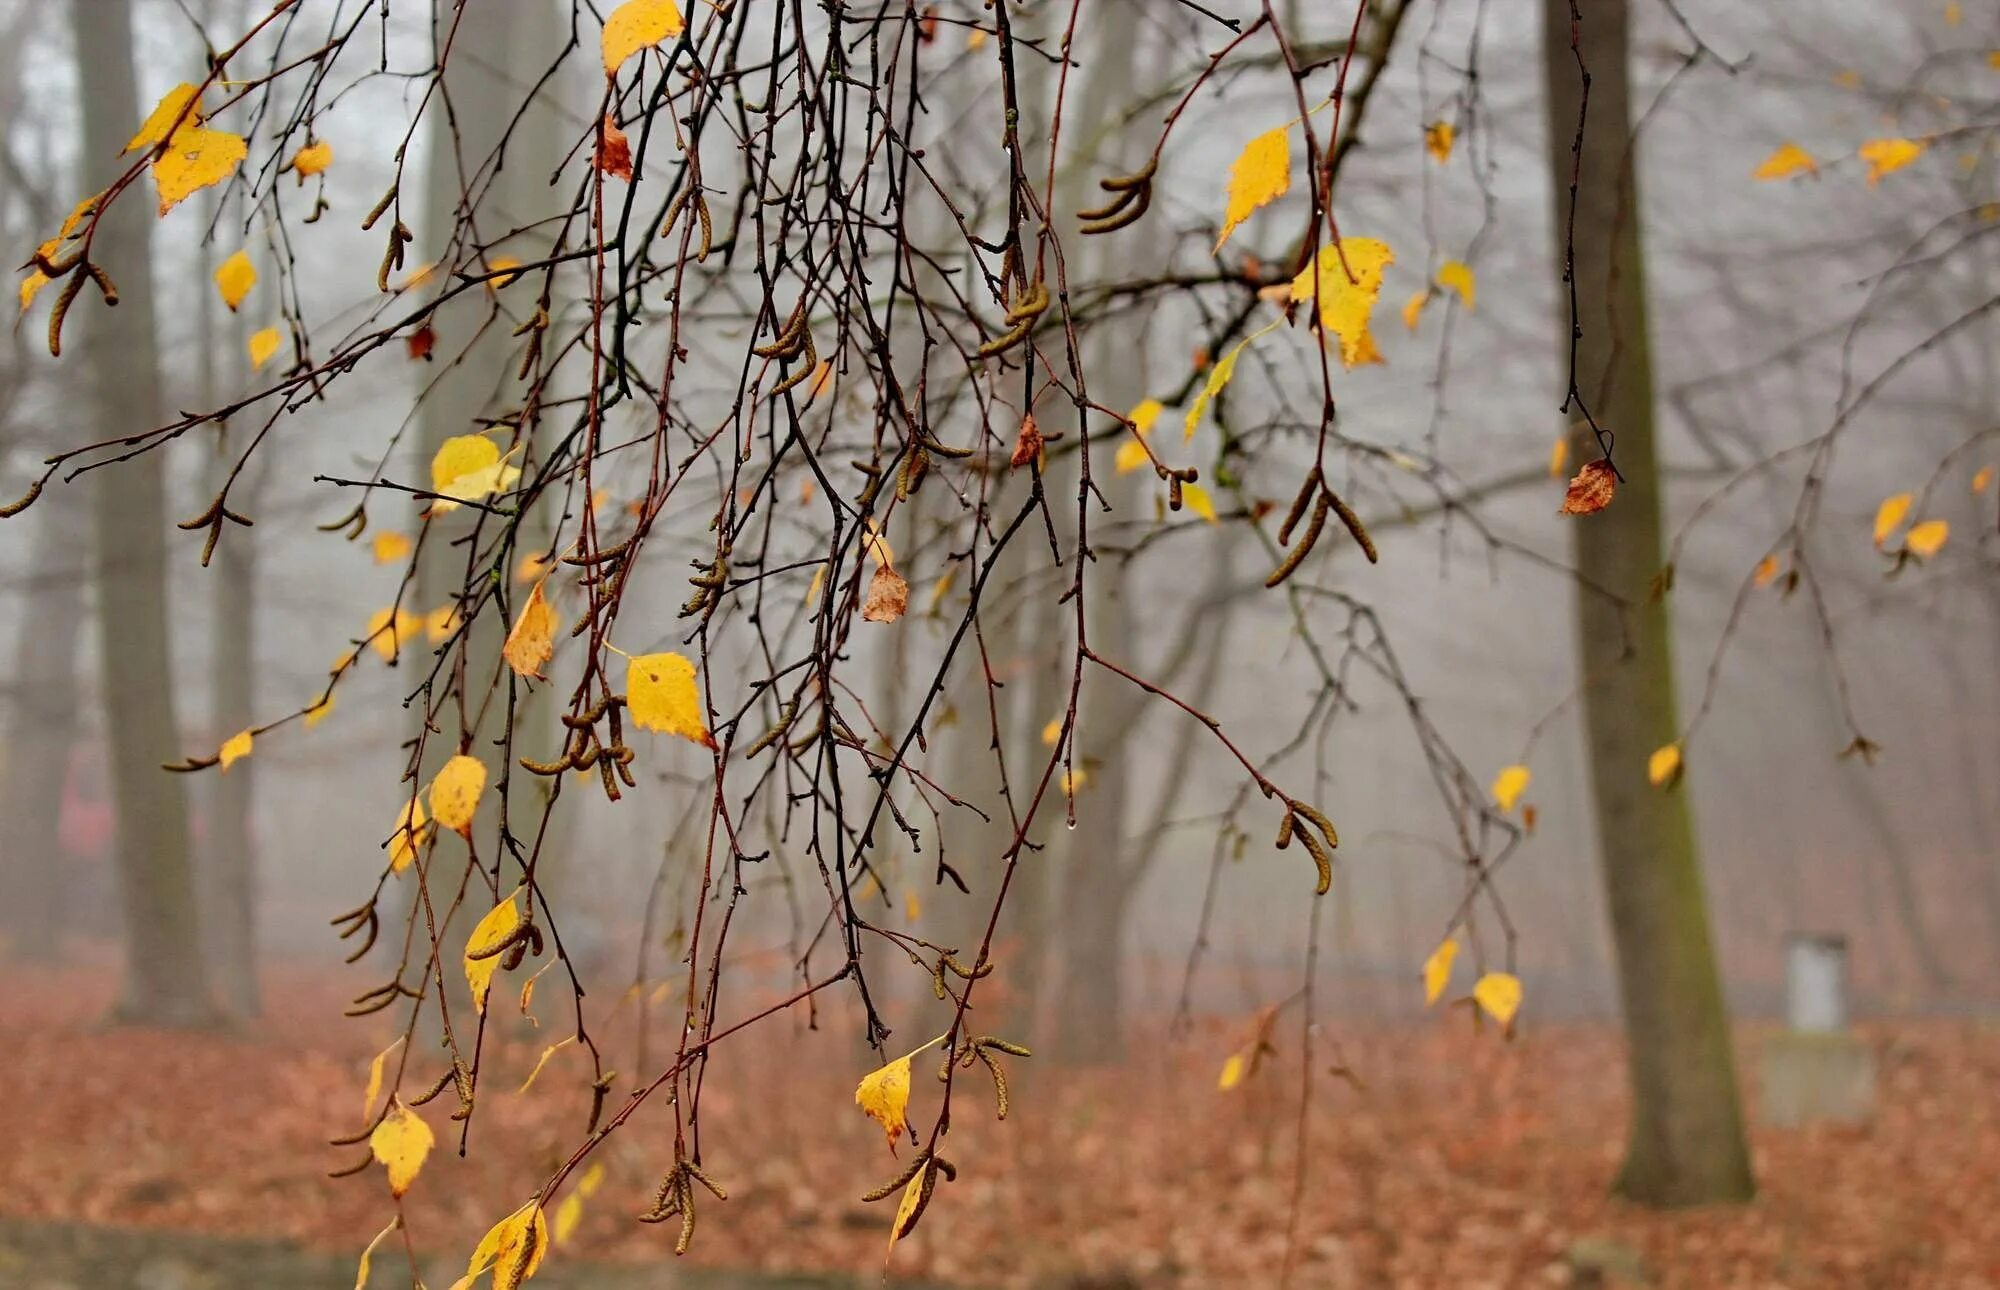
(166, 978)
(1686, 1144)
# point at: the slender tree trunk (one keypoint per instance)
(41, 731)
(1686, 1144)
(166, 981)
(232, 854)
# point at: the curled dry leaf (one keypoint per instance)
(614, 152)
(888, 596)
(1592, 489)
(1028, 446)
(532, 641)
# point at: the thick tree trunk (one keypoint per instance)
(165, 979)
(1686, 1145)
(41, 732)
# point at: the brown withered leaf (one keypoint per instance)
(1028, 447)
(614, 152)
(1592, 489)
(888, 596)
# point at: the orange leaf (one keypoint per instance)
(1592, 489)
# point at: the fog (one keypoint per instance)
(1828, 310)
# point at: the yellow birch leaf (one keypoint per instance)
(375, 1069)
(531, 642)
(460, 456)
(387, 629)
(906, 1209)
(1982, 479)
(1262, 173)
(1664, 766)
(568, 1215)
(884, 1095)
(1413, 309)
(234, 277)
(368, 1253)
(1052, 732)
(470, 487)
(194, 159)
(1889, 515)
(1500, 994)
(1437, 970)
(661, 694)
(514, 1248)
(1456, 276)
(1438, 136)
(637, 25)
(1559, 457)
(1766, 571)
(480, 960)
(1926, 539)
(401, 1142)
(1954, 13)
(409, 835)
(1132, 455)
(1232, 1073)
(1345, 303)
(532, 567)
(263, 344)
(1886, 156)
(592, 1179)
(166, 116)
(812, 588)
(319, 712)
(234, 749)
(1218, 379)
(455, 791)
(547, 1053)
(1789, 160)
(1196, 499)
(31, 286)
(390, 546)
(877, 544)
(501, 279)
(1074, 779)
(313, 159)
(1144, 414)
(1509, 784)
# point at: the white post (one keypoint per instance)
(1816, 983)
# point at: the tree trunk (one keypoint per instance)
(165, 979)
(42, 731)
(1686, 1144)
(1097, 893)
(232, 855)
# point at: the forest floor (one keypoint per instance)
(1455, 1159)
